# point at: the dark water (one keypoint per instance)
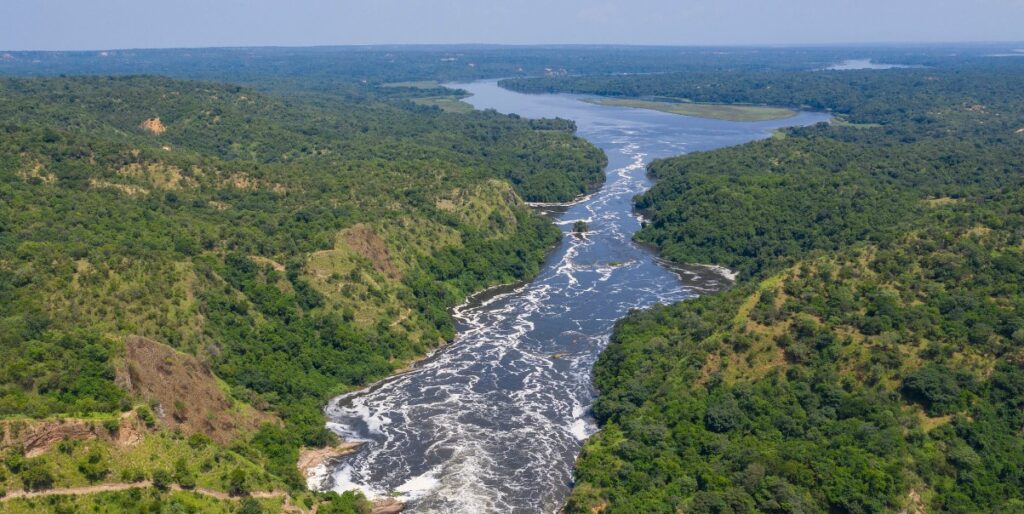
(494, 422)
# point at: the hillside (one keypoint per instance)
(869, 359)
(877, 379)
(272, 251)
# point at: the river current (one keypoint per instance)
(495, 421)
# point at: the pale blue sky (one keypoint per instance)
(102, 24)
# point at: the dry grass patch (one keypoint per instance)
(128, 189)
(186, 393)
(942, 201)
(153, 126)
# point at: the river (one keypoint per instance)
(494, 422)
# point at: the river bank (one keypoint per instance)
(494, 422)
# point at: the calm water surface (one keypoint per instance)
(494, 422)
(867, 64)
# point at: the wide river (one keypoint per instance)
(494, 422)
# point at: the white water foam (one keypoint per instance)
(495, 421)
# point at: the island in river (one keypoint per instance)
(727, 112)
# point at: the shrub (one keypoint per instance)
(67, 446)
(197, 441)
(146, 415)
(183, 475)
(94, 466)
(161, 479)
(349, 502)
(36, 475)
(112, 425)
(238, 483)
(133, 475)
(250, 506)
(14, 459)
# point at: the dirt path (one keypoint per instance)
(112, 487)
(76, 491)
(387, 507)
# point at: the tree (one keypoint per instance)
(162, 479)
(935, 387)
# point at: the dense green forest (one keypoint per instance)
(869, 357)
(299, 245)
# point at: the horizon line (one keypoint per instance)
(882, 44)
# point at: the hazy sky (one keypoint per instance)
(101, 24)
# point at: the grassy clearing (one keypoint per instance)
(702, 110)
(446, 104)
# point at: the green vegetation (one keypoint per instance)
(300, 245)
(702, 110)
(142, 501)
(445, 103)
(869, 359)
(414, 84)
(163, 457)
(308, 236)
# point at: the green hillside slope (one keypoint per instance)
(869, 358)
(298, 247)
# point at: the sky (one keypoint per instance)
(112, 24)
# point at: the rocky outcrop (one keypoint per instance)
(36, 437)
(387, 506)
(312, 461)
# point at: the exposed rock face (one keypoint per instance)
(153, 126)
(37, 437)
(187, 394)
(130, 430)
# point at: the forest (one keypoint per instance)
(298, 223)
(298, 245)
(868, 358)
